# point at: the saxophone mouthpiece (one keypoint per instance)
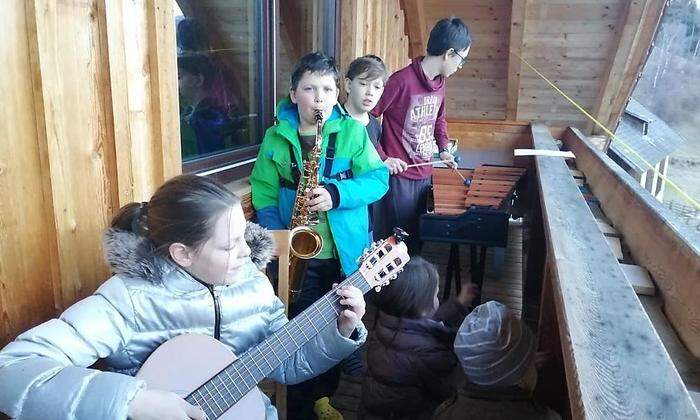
(318, 115)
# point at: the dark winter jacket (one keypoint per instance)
(483, 403)
(410, 364)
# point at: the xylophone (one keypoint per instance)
(476, 214)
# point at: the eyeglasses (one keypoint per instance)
(464, 59)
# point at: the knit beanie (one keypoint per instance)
(493, 346)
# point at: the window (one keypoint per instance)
(228, 54)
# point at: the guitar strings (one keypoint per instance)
(301, 323)
(226, 385)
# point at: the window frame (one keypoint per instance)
(235, 164)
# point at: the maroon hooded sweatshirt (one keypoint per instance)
(413, 110)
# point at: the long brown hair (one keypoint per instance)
(183, 210)
(412, 293)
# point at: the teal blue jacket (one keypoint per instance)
(273, 198)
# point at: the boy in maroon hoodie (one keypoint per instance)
(413, 110)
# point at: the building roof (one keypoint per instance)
(659, 142)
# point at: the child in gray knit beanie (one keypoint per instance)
(496, 351)
(494, 347)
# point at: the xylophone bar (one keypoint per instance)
(490, 187)
(447, 176)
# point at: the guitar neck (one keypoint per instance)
(233, 382)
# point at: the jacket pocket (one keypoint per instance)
(283, 164)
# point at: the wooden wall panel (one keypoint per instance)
(492, 135)
(370, 27)
(598, 47)
(27, 236)
(489, 135)
(91, 123)
(477, 91)
(70, 104)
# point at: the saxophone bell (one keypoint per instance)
(305, 243)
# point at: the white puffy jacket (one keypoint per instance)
(44, 373)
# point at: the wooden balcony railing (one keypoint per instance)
(656, 238)
(614, 362)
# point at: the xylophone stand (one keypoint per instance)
(476, 268)
(452, 267)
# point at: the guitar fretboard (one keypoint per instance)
(227, 387)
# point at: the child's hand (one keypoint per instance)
(320, 200)
(468, 293)
(449, 158)
(351, 297)
(155, 404)
(395, 165)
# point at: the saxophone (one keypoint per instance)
(306, 243)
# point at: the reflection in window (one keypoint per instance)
(217, 76)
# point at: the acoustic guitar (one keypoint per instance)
(206, 373)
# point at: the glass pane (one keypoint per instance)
(299, 31)
(218, 75)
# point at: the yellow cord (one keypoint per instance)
(683, 194)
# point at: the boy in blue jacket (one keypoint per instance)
(351, 176)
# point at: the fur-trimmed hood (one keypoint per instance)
(134, 255)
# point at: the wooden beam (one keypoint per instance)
(119, 123)
(353, 16)
(551, 388)
(657, 240)
(616, 365)
(414, 26)
(162, 60)
(29, 268)
(377, 27)
(636, 31)
(517, 30)
(67, 82)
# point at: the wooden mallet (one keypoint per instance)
(415, 165)
(465, 181)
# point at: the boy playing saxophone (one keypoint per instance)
(350, 176)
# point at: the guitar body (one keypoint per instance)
(206, 372)
(185, 362)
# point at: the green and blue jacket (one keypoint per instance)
(355, 177)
